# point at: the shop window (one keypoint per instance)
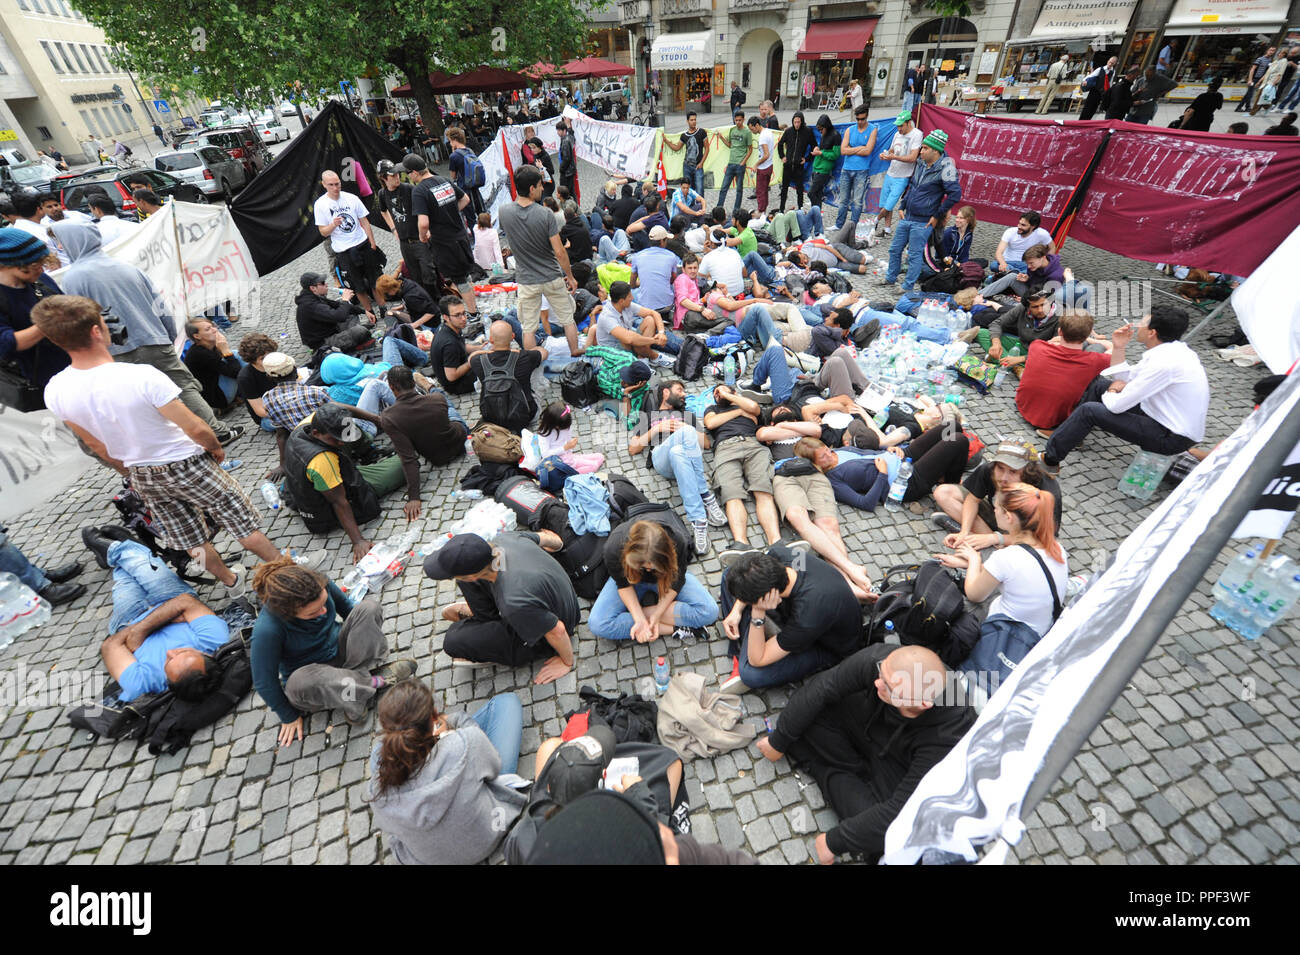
(1227, 57)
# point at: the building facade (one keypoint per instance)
(57, 84)
(799, 53)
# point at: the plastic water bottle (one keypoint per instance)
(891, 632)
(661, 674)
(1237, 572)
(729, 371)
(896, 490)
(1253, 620)
(1000, 377)
(1288, 593)
(1238, 604)
(271, 495)
(21, 609)
(469, 447)
(459, 494)
(882, 417)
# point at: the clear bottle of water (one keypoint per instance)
(21, 609)
(729, 370)
(1237, 572)
(271, 495)
(899, 486)
(891, 632)
(1238, 604)
(460, 494)
(661, 672)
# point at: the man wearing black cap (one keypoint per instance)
(325, 486)
(519, 603)
(395, 206)
(323, 320)
(443, 243)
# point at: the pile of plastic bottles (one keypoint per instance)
(21, 609)
(935, 314)
(898, 362)
(495, 299)
(1253, 593)
(487, 519)
(1144, 475)
(381, 564)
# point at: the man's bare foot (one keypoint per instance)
(456, 612)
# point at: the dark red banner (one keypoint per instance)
(1207, 200)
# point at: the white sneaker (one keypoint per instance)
(701, 529)
(663, 360)
(717, 517)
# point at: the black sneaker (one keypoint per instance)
(945, 523)
(864, 335)
(234, 434)
(733, 553)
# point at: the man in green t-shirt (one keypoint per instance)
(740, 141)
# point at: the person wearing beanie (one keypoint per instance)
(933, 189)
(23, 283)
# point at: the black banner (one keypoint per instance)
(274, 214)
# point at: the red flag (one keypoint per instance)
(661, 177)
(510, 168)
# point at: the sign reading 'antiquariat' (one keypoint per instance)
(1075, 18)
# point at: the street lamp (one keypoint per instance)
(649, 85)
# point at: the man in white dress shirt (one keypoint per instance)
(1160, 404)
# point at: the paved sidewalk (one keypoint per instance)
(1195, 762)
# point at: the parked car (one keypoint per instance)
(611, 91)
(241, 142)
(207, 167)
(214, 116)
(273, 131)
(288, 109)
(110, 181)
(29, 175)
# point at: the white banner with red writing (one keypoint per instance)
(614, 147)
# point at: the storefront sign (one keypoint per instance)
(682, 51)
(1076, 18)
(95, 97)
(1194, 12)
(720, 80)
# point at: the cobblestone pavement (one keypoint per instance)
(1189, 765)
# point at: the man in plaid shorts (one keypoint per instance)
(130, 416)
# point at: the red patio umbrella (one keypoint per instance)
(484, 79)
(542, 70)
(436, 77)
(592, 67)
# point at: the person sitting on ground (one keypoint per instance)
(1286, 126)
(518, 408)
(1029, 574)
(1012, 330)
(646, 560)
(211, 360)
(653, 271)
(1043, 270)
(672, 441)
(325, 486)
(161, 635)
(612, 244)
(1058, 370)
(407, 302)
(741, 468)
(253, 381)
(868, 731)
(313, 649)
(815, 619)
(1160, 404)
(645, 218)
(634, 328)
(448, 354)
(421, 426)
(1026, 233)
(687, 202)
(721, 264)
(487, 244)
(804, 496)
(575, 234)
(966, 510)
(519, 603)
(438, 786)
(692, 315)
(322, 320)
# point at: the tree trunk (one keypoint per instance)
(415, 65)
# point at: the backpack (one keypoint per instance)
(838, 283)
(137, 519)
(691, 359)
(535, 508)
(578, 384)
(632, 719)
(493, 443)
(925, 604)
(503, 400)
(972, 275)
(624, 497)
(664, 515)
(475, 176)
(583, 559)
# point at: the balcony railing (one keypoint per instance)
(633, 11)
(757, 6)
(669, 9)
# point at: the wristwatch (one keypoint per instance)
(757, 620)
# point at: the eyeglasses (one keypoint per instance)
(880, 674)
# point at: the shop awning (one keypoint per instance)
(1224, 29)
(837, 39)
(682, 51)
(1222, 13)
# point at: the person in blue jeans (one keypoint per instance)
(398, 352)
(443, 785)
(858, 147)
(933, 189)
(55, 584)
(788, 615)
(740, 141)
(649, 592)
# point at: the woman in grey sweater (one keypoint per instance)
(436, 779)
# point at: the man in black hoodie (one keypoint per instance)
(325, 321)
(868, 730)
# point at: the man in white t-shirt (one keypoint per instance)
(131, 417)
(765, 140)
(901, 156)
(722, 264)
(344, 220)
(1025, 234)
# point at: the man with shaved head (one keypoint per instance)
(868, 730)
(342, 218)
(514, 407)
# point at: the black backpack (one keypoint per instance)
(578, 384)
(692, 358)
(927, 608)
(582, 556)
(666, 514)
(503, 401)
(623, 496)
